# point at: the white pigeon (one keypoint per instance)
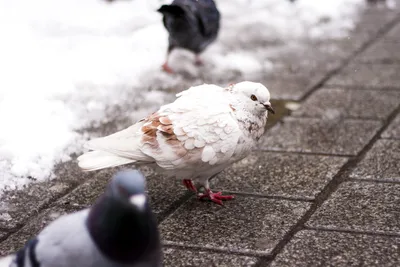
(206, 129)
(119, 230)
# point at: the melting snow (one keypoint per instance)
(65, 65)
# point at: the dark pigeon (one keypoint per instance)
(191, 24)
(119, 230)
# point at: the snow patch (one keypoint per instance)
(66, 64)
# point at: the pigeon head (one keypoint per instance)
(129, 187)
(253, 97)
(121, 223)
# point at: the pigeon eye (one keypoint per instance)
(253, 97)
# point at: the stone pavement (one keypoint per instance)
(322, 190)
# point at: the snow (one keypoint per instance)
(67, 65)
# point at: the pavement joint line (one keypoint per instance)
(46, 206)
(309, 153)
(174, 206)
(216, 249)
(390, 138)
(275, 197)
(361, 88)
(305, 153)
(209, 249)
(341, 176)
(51, 203)
(344, 171)
(382, 62)
(352, 231)
(344, 118)
(381, 32)
(380, 181)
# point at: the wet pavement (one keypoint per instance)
(323, 188)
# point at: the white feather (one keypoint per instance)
(96, 160)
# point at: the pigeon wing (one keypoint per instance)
(194, 130)
(208, 18)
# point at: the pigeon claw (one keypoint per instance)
(215, 197)
(189, 185)
(167, 68)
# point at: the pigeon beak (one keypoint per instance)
(138, 201)
(269, 107)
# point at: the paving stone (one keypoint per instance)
(381, 52)
(17, 206)
(83, 197)
(3, 234)
(331, 135)
(317, 248)
(362, 206)
(86, 194)
(368, 75)
(393, 35)
(246, 224)
(369, 24)
(17, 240)
(288, 88)
(382, 162)
(162, 191)
(186, 258)
(308, 60)
(349, 104)
(393, 131)
(280, 174)
(375, 18)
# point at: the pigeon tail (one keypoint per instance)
(97, 160)
(171, 9)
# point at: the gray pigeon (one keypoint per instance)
(119, 230)
(191, 24)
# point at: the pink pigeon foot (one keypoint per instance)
(167, 68)
(215, 197)
(189, 185)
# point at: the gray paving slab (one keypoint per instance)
(369, 24)
(381, 52)
(163, 192)
(375, 17)
(174, 257)
(368, 75)
(331, 135)
(361, 206)
(382, 162)
(393, 131)
(17, 206)
(246, 224)
(84, 196)
(393, 35)
(280, 174)
(299, 68)
(4, 234)
(290, 87)
(367, 104)
(81, 197)
(17, 240)
(316, 248)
